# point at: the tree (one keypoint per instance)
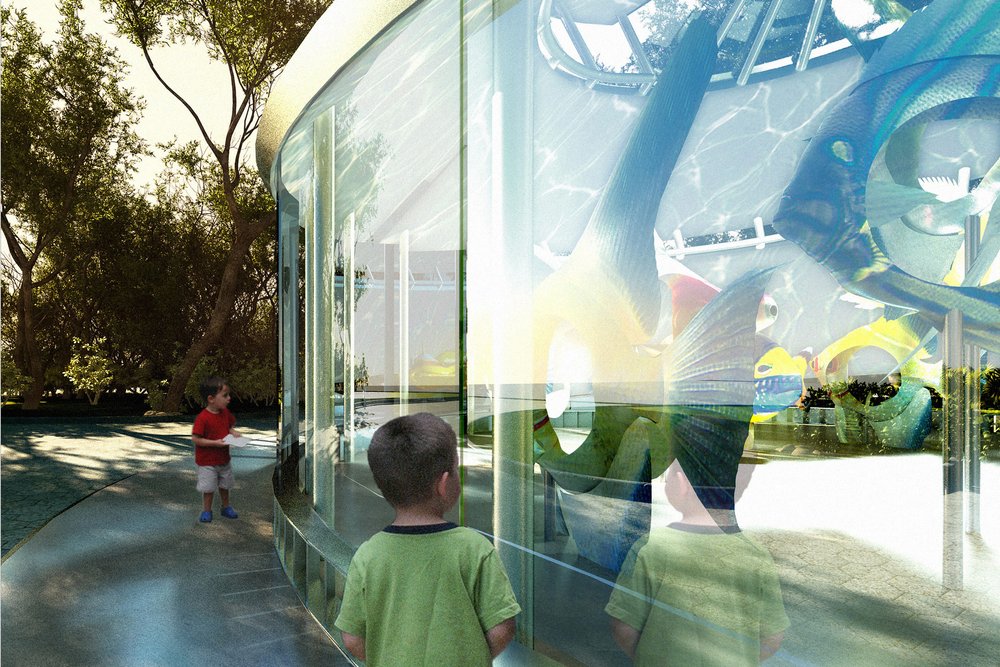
(248, 358)
(89, 369)
(142, 255)
(67, 142)
(254, 39)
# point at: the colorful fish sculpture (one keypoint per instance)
(943, 63)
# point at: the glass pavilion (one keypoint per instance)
(600, 236)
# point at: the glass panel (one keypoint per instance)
(725, 311)
(382, 255)
(294, 206)
(313, 290)
(324, 440)
(397, 193)
(706, 246)
(288, 332)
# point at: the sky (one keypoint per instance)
(205, 84)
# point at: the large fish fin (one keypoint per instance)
(712, 359)
(993, 288)
(688, 295)
(886, 201)
(709, 399)
(891, 312)
(708, 443)
(944, 218)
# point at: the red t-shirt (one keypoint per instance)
(212, 426)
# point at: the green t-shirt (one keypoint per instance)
(426, 595)
(698, 597)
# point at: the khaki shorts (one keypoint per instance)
(213, 478)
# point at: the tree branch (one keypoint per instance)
(221, 43)
(15, 246)
(53, 274)
(144, 45)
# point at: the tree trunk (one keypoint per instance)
(31, 357)
(224, 302)
(26, 349)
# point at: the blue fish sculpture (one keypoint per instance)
(942, 63)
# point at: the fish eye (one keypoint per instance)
(764, 368)
(843, 151)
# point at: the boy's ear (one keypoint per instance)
(441, 485)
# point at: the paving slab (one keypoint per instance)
(46, 466)
(128, 576)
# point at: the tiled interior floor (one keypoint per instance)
(857, 542)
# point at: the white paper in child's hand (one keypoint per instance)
(236, 442)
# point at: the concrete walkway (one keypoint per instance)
(128, 576)
(48, 466)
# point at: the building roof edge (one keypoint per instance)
(342, 31)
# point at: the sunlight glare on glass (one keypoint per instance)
(855, 13)
(861, 14)
(609, 46)
(562, 37)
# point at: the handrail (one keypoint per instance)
(585, 67)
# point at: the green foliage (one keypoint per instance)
(252, 378)
(90, 371)
(150, 274)
(872, 393)
(255, 383)
(222, 189)
(155, 393)
(255, 38)
(68, 123)
(817, 397)
(15, 383)
(69, 148)
(867, 393)
(990, 389)
(206, 367)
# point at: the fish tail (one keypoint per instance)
(621, 227)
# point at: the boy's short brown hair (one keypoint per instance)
(408, 454)
(211, 386)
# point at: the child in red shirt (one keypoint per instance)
(211, 454)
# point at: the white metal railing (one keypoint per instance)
(585, 65)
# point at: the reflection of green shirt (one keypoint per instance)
(426, 595)
(701, 597)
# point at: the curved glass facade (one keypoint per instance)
(753, 241)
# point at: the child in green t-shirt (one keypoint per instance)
(698, 592)
(424, 591)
